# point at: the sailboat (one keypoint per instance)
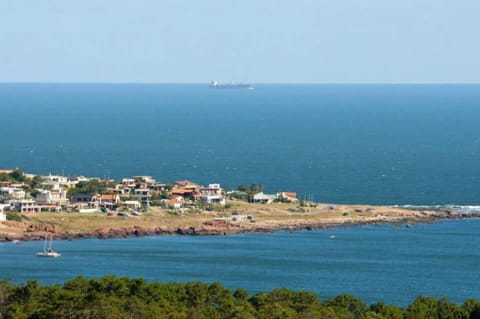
(48, 252)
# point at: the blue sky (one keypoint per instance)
(305, 41)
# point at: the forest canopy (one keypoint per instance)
(115, 297)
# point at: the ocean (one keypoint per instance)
(374, 263)
(373, 144)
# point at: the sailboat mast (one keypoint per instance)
(51, 238)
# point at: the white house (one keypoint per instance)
(56, 179)
(132, 204)
(25, 206)
(263, 198)
(12, 192)
(212, 194)
(3, 217)
(53, 197)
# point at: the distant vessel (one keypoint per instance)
(48, 252)
(220, 85)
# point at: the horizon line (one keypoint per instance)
(249, 82)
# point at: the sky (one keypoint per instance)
(257, 41)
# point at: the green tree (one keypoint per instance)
(386, 311)
(18, 176)
(92, 186)
(354, 305)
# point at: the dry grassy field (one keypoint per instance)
(269, 216)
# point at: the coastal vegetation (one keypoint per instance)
(91, 187)
(114, 297)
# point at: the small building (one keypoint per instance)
(185, 184)
(241, 218)
(287, 196)
(144, 179)
(174, 202)
(186, 193)
(52, 197)
(56, 179)
(26, 206)
(264, 198)
(3, 217)
(159, 187)
(128, 182)
(110, 198)
(212, 194)
(12, 192)
(84, 198)
(109, 201)
(143, 196)
(132, 204)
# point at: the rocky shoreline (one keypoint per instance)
(32, 231)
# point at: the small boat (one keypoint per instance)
(16, 241)
(331, 236)
(48, 252)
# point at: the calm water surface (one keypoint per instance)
(375, 144)
(380, 263)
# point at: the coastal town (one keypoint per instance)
(33, 206)
(30, 193)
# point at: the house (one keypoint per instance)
(264, 198)
(128, 183)
(74, 181)
(186, 193)
(12, 192)
(212, 194)
(132, 204)
(110, 201)
(159, 187)
(56, 179)
(287, 196)
(187, 185)
(4, 207)
(144, 179)
(86, 200)
(143, 196)
(174, 202)
(110, 198)
(120, 190)
(26, 206)
(52, 197)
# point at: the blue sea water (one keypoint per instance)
(376, 144)
(375, 263)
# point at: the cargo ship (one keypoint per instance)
(220, 85)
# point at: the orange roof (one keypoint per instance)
(108, 197)
(289, 194)
(181, 191)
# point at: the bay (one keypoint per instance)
(374, 263)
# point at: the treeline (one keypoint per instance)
(114, 297)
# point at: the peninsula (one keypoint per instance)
(70, 208)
